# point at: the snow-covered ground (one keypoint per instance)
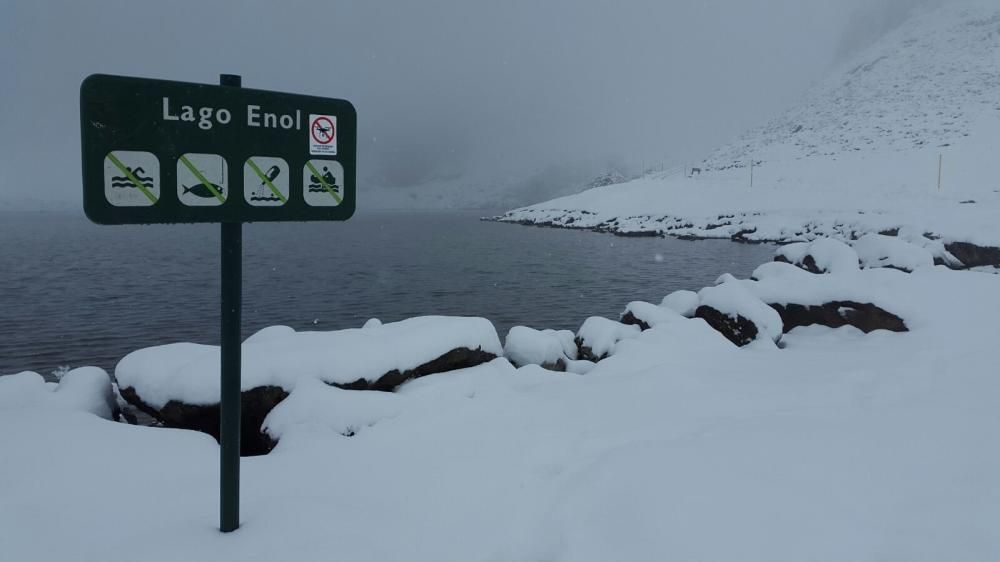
(665, 443)
(860, 155)
(839, 445)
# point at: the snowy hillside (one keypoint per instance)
(863, 152)
(926, 84)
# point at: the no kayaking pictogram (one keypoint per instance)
(323, 135)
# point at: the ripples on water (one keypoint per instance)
(74, 293)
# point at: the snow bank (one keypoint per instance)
(580, 366)
(86, 389)
(858, 447)
(598, 336)
(876, 250)
(527, 346)
(317, 405)
(189, 372)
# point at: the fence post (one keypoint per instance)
(940, 165)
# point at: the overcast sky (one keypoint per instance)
(443, 88)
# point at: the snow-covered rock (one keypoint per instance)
(85, 389)
(935, 246)
(375, 357)
(855, 298)
(598, 337)
(823, 255)
(793, 253)
(876, 250)
(779, 269)
(178, 384)
(270, 333)
(725, 278)
(646, 314)
(550, 349)
(738, 314)
(683, 302)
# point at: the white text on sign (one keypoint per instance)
(207, 117)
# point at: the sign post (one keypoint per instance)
(156, 151)
(230, 406)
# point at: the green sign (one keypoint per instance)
(167, 152)
(156, 151)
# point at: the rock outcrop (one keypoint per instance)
(258, 402)
(972, 255)
(866, 317)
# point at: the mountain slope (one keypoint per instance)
(863, 152)
(926, 83)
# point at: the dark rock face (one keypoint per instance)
(629, 318)
(972, 255)
(808, 263)
(741, 236)
(585, 353)
(738, 330)
(460, 358)
(559, 366)
(638, 233)
(864, 316)
(258, 402)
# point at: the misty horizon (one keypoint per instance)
(523, 96)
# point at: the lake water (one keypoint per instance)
(73, 293)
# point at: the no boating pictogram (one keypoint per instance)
(323, 134)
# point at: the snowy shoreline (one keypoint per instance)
(762, 227)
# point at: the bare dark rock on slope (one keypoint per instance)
(972, 255)
(866, 317)
(257, 403)
(737, 329)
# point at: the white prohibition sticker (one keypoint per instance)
(323, 135)
(131, 178)
(202, 180)
(323, 183)
(265, 181)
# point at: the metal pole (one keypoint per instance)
(229, 405)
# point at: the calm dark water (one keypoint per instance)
(74, 293)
